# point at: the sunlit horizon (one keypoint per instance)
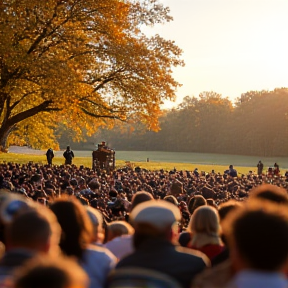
(229, 46)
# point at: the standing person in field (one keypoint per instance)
(260, 167)
(68, 155)
(276, 169)
(232, 172)
(49, 156)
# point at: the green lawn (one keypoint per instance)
(151, 165)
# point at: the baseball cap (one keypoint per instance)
(159, 213)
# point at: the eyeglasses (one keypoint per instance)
(42, 201)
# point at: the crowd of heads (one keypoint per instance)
(63, 209)
(112, 192)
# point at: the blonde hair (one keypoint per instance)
(205, 227)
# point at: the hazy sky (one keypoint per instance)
(229, 46)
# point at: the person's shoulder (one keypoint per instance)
(118, 241)
(126, 261)
(193, 255)
(218, 276)
(100, 252)
(120, 246)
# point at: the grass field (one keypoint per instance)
(157, 160)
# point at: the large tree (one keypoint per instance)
(82, 63)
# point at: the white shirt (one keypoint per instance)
(121, 246)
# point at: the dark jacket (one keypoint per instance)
(68, 155)
(178, 262)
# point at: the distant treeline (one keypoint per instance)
(256, 124)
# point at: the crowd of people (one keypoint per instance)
(166, 228)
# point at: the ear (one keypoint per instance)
(45, 247)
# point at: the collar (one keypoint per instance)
(155, 244)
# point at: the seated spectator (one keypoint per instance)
(117, 229)
(47, 272)
(270, 193)
(208, 193)
(258, 238)
(211, 202)
(96, 219)
(122, 246)
(185, 216)
(224, 210)
(220, 275)
(30, 233)
(94, 186)
(155, 224)
(140, 197)
(176, 188)
(221, 272)
(205, 229)
(184, 238)
(226, 207)
(195, 202)
(10, 207)
(171, 199)
(78, 232)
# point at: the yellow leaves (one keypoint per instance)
(89, 59)
(38, 132)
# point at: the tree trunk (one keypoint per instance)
(9, 124)
(4, 133)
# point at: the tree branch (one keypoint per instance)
(44, 33)
(29, 113)
(101, 116)
(111, 110)
(109, 78)
(17, 102)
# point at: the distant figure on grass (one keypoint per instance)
(232, 172)
(49, 156)
(276, 169)
(68, 155)
(260, 167)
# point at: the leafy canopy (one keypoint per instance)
(83, 64)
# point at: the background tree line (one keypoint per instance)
(256, 124)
